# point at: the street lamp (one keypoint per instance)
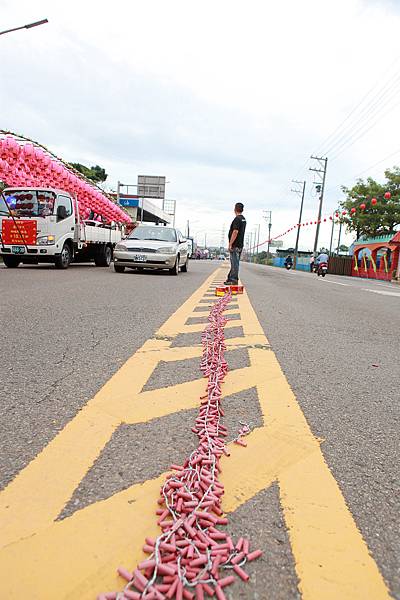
(29, 26)
(268, 218)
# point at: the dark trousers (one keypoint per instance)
(234, 255)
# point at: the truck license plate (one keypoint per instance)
(139, 258)
(18, 249)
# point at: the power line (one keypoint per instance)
(365, 115)
(378, 163)
(364, 97)
(344, 147)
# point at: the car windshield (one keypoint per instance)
(157, 234)
(28, 203)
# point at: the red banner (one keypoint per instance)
(19, 232)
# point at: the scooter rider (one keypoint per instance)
(322, 258)
(288, 261)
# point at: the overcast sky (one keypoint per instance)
(228, 99)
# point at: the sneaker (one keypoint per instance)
(227, 282)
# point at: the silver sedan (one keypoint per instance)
(152, 247)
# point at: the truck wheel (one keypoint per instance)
(184, 269)
(119, 268)
(64, 260)
(11, 262)
(103, 257)
(175, 268)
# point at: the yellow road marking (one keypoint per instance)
(198, 327)
(75, 558)
(50, 479)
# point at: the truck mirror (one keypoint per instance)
(61, 213)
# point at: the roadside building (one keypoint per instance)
(376, 258)
(142, 209)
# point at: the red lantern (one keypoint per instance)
(344, 213)
(388, 195)
(353, 210)
(331, 218)
(363, 206)
(325, 220)
(374, 201)
(337, 215)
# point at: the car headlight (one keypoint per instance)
(166, 250)
(45, 240)
(121, 247)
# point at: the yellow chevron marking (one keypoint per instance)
(76, 558)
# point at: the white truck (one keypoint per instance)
(44, 225)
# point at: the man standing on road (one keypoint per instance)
(236, 241)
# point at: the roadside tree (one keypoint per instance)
(96, 173)
(376, 218)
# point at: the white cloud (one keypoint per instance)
(227, 99)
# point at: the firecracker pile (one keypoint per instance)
(194, 557)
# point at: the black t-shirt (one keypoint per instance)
(239, 223)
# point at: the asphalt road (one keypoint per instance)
(337, 340)
(64, 334)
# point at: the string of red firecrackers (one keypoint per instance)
(193, 556)
(338, 214)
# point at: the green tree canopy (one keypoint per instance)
(96, 173)
(374, 220)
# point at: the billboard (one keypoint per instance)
(276, 243)
(151, 186)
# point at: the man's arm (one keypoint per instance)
(234, 235)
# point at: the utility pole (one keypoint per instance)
(258, 238)
(268, 216)
(323, 163)
(188, 228)
(332, 230)
(340, 234)
(297, 191)
(223, 240)
(248, 246)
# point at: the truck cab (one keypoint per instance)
(44, 225)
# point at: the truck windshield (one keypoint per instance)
(159, 234)
(29, 203)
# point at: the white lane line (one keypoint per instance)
(337, 282)
(382, 292)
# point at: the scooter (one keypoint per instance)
(288, 266)
(322, 269)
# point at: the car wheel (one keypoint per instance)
(63, 261)
(175, 268)
(184, 268)
(11, 262)
(119, 268)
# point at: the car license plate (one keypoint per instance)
(18, 249)
(139, 258)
